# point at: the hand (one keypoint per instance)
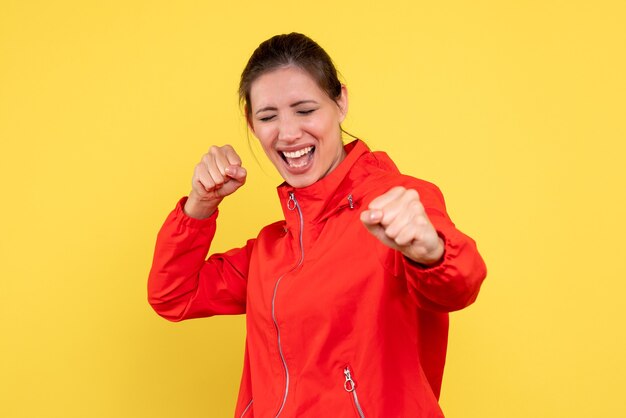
(398, 219)
(218, 174)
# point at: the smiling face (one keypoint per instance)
(297, 124)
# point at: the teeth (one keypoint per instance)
(297, 154)
(297, 165)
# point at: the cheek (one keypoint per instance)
(263, 134)
(318, 127)
(327, 127)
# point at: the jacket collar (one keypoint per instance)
(325, 195)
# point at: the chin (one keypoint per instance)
(298, 181)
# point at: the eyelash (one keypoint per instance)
(300, 112)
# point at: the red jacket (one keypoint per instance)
(338, 324)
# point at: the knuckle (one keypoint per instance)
(209, 184)
(402, 241)
(412, 194)
(215, 150)
(206, 159)
(398, 188)
(391, 232)
(416, 206)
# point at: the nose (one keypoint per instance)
(289, 129)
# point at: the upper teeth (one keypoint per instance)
(296, 154)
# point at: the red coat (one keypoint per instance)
(338, 324)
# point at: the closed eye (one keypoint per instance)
(306, 112)
(267, 118)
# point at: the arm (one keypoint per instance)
(441, 265)
(454, 281)
(182, 284)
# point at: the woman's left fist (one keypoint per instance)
(398, 219)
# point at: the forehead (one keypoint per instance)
(283, 86)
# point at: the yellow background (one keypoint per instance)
(515, 109)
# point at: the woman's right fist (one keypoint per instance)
(218, 174)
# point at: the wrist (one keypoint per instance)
(432, 257)
(198, 208)
(436, 255)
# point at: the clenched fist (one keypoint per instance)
(398, 219)
(218, 174)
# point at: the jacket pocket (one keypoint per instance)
(350, 386)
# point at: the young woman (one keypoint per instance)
(347, 297)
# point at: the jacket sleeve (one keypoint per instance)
(183, 283)
(453, 283)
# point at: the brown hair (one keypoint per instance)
(290, 49)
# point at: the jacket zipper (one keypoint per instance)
(245, 411)
(292, 204)
(350, 204)
(350, 387)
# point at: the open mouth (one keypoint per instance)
(299, 158)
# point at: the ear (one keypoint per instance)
(342, 103)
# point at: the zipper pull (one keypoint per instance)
(350, 202)
(349, 384)
(291, 203)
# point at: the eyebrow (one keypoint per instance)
(298, 103)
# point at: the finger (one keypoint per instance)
(203, 179)
(406, 235)
(217, 156)
(384, 199)
(225, 158)
(403, 209)
(231, 155)
(213, 169)
(235, 178)
(379, 232)
(397, 220)
(236, 172)
(371, 216)
(401, 212)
